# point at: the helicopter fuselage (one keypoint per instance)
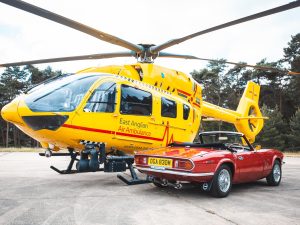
(93, 106)
(129, 108)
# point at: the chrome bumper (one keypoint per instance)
(172, 172)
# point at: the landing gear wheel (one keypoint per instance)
(222, 182)
(274, 178)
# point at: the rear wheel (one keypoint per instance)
(222, 182)
(274, 178)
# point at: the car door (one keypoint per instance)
(249, 166)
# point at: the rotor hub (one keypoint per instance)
(146, 56)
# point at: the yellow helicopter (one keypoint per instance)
(118, 110)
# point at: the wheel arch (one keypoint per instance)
(229, 163)
(277, 157)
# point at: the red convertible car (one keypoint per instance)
(218, 161)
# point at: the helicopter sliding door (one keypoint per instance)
(175, 119)
(134, 129)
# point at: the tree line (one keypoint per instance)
(222, 85)
(13, 82)
(279, 96)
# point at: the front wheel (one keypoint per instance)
(222, 182)
(274, 178)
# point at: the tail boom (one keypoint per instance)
(247, 119)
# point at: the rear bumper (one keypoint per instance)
(177, 175)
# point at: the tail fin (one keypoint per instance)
(247, 119)
(250, 122)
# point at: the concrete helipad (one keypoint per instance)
(31, 193)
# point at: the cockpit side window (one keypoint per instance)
(102, 99)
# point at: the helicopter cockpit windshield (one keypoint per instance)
(60, 95)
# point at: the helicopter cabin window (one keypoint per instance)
(168, 108)
(102, 99)
(186, 111)
(135, 101)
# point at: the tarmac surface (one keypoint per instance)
(31, 193)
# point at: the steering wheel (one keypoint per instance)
(234, 146)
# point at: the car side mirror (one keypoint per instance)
(257, 147)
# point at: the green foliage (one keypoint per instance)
(292, 53)
(294, 135)
(278, 95)
(274, 133)
(13, 82)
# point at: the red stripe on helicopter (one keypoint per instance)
(196, 104)
(166, 133)
(138, 136)
(108, 132)
(183, 92)
(88, 129)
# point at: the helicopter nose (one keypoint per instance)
(10, 112)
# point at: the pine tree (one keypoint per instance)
(274, 133)
(294, 136)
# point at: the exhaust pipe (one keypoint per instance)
(177, 185)
(164, 182)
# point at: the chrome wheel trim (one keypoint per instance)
(276, 173)
(224, 180)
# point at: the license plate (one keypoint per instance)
(160, 162)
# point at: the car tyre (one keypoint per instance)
(222, 182)
(274, 178)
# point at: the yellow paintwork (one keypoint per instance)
(130, 133)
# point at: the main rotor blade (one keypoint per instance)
(71, 58)
(73, 24)
(158, 48)
(171, 55)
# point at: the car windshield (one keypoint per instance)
(61, 95)
(226, 138)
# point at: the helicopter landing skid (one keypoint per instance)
(135, 180)
(69, 170)
(111, 164)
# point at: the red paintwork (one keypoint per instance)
(255, 165)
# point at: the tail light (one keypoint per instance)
(182, 164)
(141, 160)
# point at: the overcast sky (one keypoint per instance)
(24, 36)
